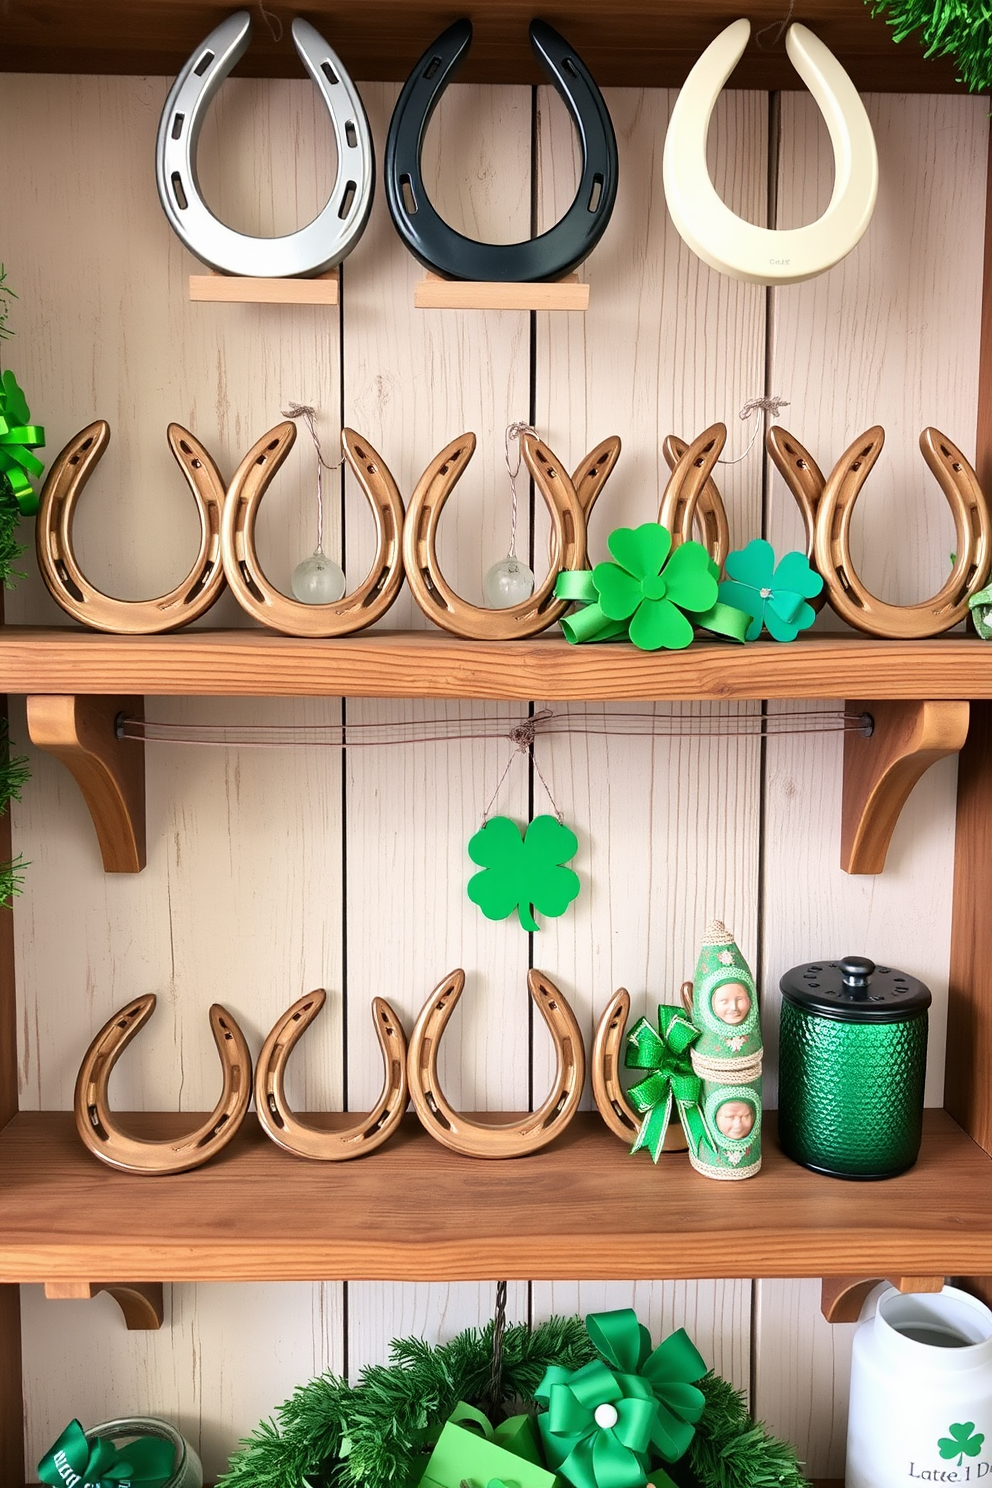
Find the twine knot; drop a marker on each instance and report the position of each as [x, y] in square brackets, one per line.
[524, 733]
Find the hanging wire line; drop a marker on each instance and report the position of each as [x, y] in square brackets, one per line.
[514, 431]
[523, 736]
[779, 27]
[309, 415]
[268, 16]
[754, 408]
[520, 732]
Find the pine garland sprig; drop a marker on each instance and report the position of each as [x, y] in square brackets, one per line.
[730, 1451]
[961, 29]
[10, 548]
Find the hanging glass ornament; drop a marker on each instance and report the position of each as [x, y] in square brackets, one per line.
[317, 580]
[510, 581]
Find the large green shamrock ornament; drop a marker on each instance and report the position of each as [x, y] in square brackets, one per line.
[961, 1443]
[523, 872]
[775, 597]
[651, 592]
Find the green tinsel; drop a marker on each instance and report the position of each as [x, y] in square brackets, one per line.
[385, 1421]
[961, 29]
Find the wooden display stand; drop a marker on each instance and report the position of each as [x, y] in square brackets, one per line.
[435, 293]
[231, 289]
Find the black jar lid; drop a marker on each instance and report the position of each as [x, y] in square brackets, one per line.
[855, 990]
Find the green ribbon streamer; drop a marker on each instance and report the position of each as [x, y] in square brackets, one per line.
[590, 624]
[18, 438]
[670, 1371]
[671, 1081]
[76, 1461]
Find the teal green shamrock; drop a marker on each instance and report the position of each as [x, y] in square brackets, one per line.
[650, 592]
[774, 597]
[961, 1443]
[523, 872]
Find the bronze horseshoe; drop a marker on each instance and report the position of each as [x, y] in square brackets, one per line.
[105, 1139]
[475, 1139]
[692, 495]
[569, 503]
[848, 596]
[805, 480]
[370, 601]
[611, 1101]
[67, 584]
[294, 1134]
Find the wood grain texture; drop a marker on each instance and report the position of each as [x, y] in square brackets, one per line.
[505, 1215]
[434, 293]
[234, 289]
[11, 1391]
[634, 44]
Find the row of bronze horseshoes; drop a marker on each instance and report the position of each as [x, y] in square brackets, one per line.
[410, 1073]
[406, 539]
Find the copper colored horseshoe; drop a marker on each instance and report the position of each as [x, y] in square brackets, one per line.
[691, 494]
[67, 584]
[611, 1101]
[475, 1139]
[848, 596]
[100, 1132]
[804, 479]
[294, 1134]
[569, 503]
[370, 601]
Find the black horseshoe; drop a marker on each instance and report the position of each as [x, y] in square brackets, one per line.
[447, 252]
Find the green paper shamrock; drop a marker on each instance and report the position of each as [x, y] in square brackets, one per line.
[523, 871]
[775, 597]
[652, 593]
[961, 1443]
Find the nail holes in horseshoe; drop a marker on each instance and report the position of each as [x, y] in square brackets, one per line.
[596, 194]
[347, 199]
[329, 72]
[431, 69]
[178, 192]
[177, 125]
[203, 64]
[567, 65]
[409, 200]
[351, 134]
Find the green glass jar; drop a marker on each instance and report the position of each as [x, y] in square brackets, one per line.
[852, 1063]
[186, 1471]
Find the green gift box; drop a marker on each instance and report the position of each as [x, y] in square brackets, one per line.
[470, 1451]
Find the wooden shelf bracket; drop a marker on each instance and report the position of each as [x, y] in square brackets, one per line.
[842, 1297]
[881, 769]
[110, 772]
[141, 1302]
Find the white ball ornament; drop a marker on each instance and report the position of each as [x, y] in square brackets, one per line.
[509, 582]
[606, 1415]
[318, 580]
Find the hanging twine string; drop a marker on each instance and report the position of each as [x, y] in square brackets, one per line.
[309, 416]
[754, 408]
[494, 1394]
[779, 28]
[275, 32]
[513, 432]
[522, 735]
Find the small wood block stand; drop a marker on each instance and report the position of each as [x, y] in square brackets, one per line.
[435, 293]
[322, 289]
[842, 1297]
[880, 771]
[110, 772]
[141, 1302]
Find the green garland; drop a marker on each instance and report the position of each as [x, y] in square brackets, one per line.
[961, 29]
[14, 774]
[383, 1423]
[10, 513]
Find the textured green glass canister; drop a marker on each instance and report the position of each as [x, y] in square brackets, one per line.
[852, 1063]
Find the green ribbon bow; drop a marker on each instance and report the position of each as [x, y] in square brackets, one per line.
[671, 1081]
[670, 1371]
[76, 1461]
[17, 439]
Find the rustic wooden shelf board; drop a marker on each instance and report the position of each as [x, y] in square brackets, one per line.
[232, 289]
[415, 1211]
[434, 293]
[253, 663]
[634, 44]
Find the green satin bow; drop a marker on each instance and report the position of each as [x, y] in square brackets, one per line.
[17, 439]
[669, 1371]
[665, 1053]
[598, 1426]
[76, 1461]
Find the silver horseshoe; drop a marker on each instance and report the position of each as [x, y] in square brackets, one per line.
[333, 233]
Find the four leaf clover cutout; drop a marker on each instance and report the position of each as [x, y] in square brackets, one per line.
[523, 872]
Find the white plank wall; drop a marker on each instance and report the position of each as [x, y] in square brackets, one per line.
[354, 867]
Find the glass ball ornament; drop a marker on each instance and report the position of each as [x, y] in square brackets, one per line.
[318, 580]
[507, 583]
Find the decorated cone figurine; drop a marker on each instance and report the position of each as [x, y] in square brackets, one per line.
[725, 1010]
[732, 1113]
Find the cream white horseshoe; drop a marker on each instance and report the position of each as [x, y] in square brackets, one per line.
[569, 503]
[356, 1137]
[805, 480]
[69, 586]
[608, 1093]
[476, 1139]
[973, 559]
[691, 494]
[761, 255]
[253, 591]
[100, 1132]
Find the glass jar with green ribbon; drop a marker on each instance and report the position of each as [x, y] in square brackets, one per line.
[670, 1082]
[153, 1455]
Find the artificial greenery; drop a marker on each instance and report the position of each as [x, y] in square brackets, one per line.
[377, 1434]
[10, 513]
[961, 29]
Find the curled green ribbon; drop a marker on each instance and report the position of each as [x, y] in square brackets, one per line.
[18, 438]
[590, 624]
[76, 1461]
[671, 1081]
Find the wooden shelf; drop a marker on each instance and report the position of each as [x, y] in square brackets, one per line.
[434, 293]
[415, 1211]
[420, 664]
[636, 43]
